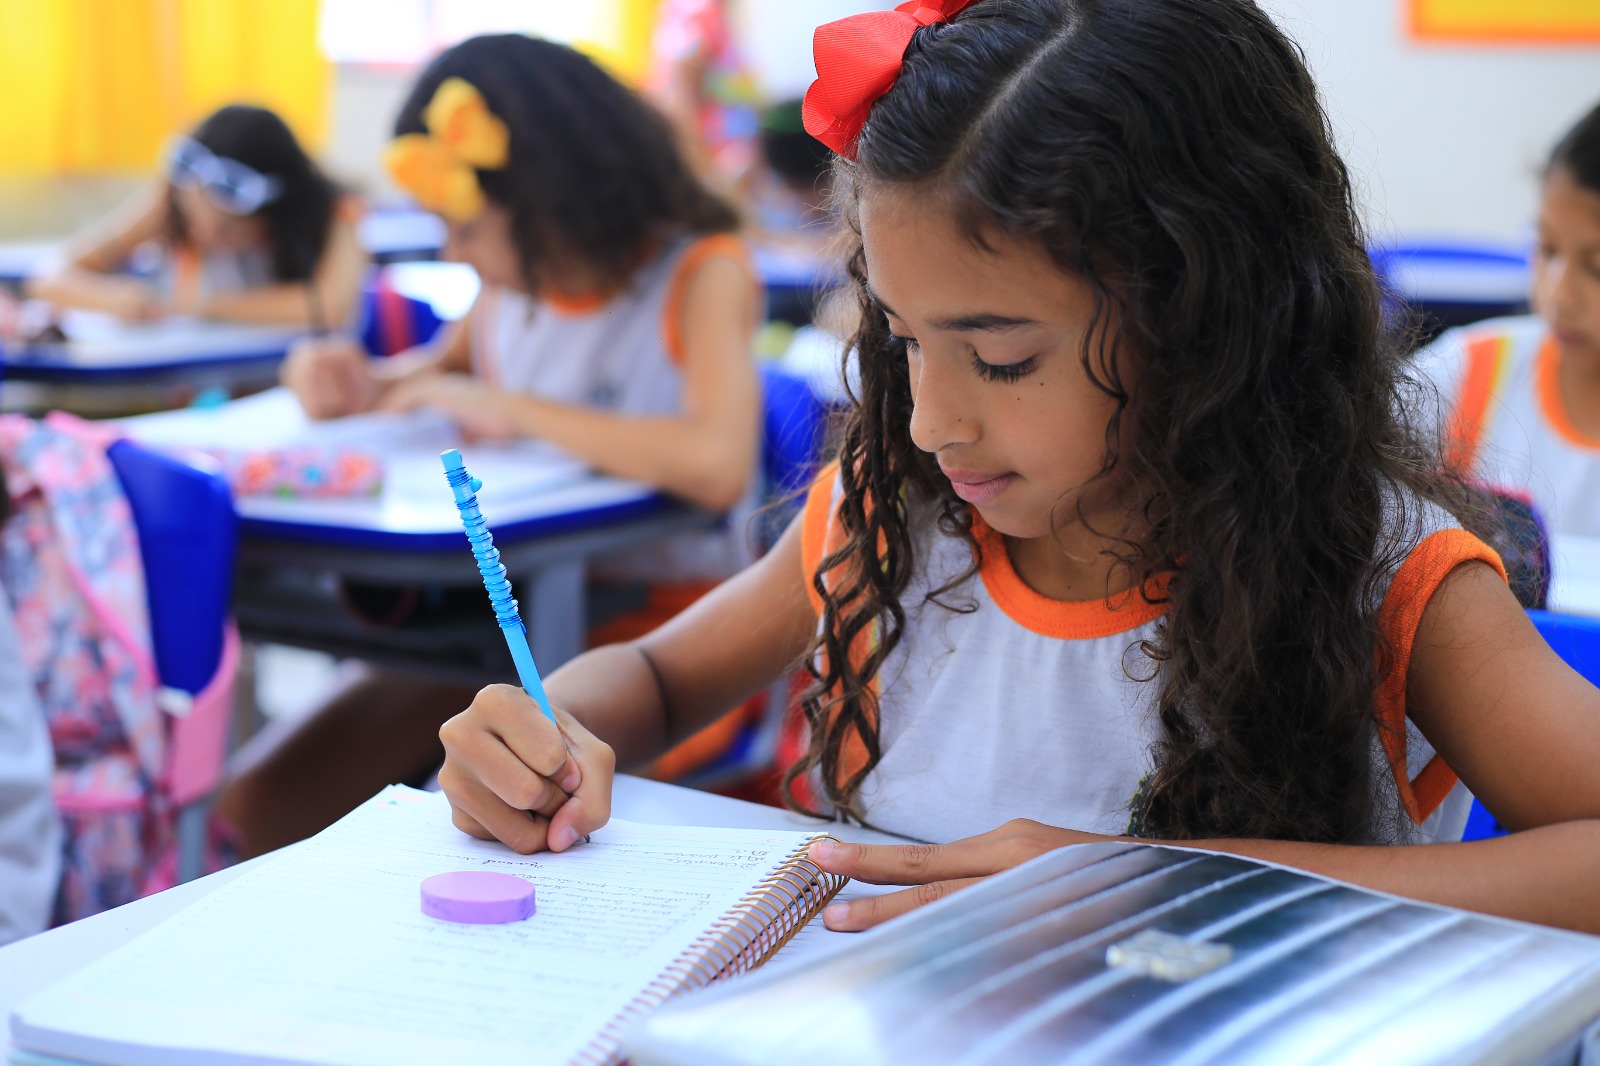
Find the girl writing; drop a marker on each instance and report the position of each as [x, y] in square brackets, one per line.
[1524, 393]
[1129, 534]
[616, 321]
[245, 227]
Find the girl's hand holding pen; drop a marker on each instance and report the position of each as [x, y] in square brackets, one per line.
[514, 776]
[331, 376]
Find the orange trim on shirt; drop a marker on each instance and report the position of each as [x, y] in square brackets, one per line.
[821, 536]
[1547, 383]
[707, 247]
[573, 306]
[815, 525]
[1487, 359]
[1061, 619]
[1414, 584]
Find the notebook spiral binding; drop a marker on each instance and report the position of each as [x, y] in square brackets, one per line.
[744, 938]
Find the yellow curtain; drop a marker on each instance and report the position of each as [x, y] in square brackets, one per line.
[622, 39]
[98, 86]
[1507, 21]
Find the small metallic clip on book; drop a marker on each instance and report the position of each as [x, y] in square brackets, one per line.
[465, 487]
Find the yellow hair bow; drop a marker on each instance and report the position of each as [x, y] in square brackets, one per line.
[437, 167]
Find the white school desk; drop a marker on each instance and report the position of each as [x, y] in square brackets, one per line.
[793, 280]
[290, 548]
[545, 543]
[399, 234]
[1575, 575]
[102, 351]
[29, 965]
[20, 260]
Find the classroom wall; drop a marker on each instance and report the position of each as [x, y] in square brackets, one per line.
[1444, 139]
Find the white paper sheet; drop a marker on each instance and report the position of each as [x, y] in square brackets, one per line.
[323, 955]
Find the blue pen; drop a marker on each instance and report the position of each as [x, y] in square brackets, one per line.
[466, 487]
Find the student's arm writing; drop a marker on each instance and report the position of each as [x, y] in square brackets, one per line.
[85, 277]
[333, 376]
[1516, 723]
[621, 704]
[704, 453]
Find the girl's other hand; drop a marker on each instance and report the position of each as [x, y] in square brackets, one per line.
[934, 870]
[331, 376]
[512, 776]
[480, 412]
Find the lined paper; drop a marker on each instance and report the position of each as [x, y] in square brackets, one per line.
[323, 954]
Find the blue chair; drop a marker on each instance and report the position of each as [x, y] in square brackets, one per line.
[392, 321]
[188, 536]
[793, 424]
[1577, 641]
[1449, 284]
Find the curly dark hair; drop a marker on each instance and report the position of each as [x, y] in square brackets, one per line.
[595, 175]
[298, 221]
[1173, 154]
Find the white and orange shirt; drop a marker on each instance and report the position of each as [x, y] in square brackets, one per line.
[624, 355]
[1506, 422]
[999, 703]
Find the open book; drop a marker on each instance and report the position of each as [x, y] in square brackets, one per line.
[323, 955]
[1119, 954]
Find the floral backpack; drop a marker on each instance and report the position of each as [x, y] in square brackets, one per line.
[71, 567]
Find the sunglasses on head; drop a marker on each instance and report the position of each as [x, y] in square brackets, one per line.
[229, 184]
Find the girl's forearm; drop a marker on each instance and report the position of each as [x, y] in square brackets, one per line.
[85, 290]
[1546, 875]
[678, 455]
[614, 692]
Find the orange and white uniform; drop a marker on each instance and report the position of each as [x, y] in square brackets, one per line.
[623, 355]
[1506, 422]
[1013, 705]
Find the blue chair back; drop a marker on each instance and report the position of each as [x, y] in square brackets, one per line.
[392, 321]
[1574, 638]
[793, 420]
[1452, 284]
[1577, 641]
[188, 535]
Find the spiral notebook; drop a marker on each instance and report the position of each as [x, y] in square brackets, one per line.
[322, 954]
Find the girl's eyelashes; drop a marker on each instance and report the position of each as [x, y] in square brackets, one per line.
[1005, 373]
[1001, 372]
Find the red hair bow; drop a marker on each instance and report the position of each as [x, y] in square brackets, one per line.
[858, 59]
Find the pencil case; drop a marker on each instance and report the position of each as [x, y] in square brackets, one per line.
[301, 472]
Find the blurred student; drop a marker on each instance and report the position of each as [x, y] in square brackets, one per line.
[1523, 393]
[243, 227]
[616, 321]
[700, 79]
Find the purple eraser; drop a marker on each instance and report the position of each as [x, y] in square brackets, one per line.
[481, 897]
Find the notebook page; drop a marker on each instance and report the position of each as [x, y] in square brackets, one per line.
[323, 954]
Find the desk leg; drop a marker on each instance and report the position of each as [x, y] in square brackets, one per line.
[555, 612]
